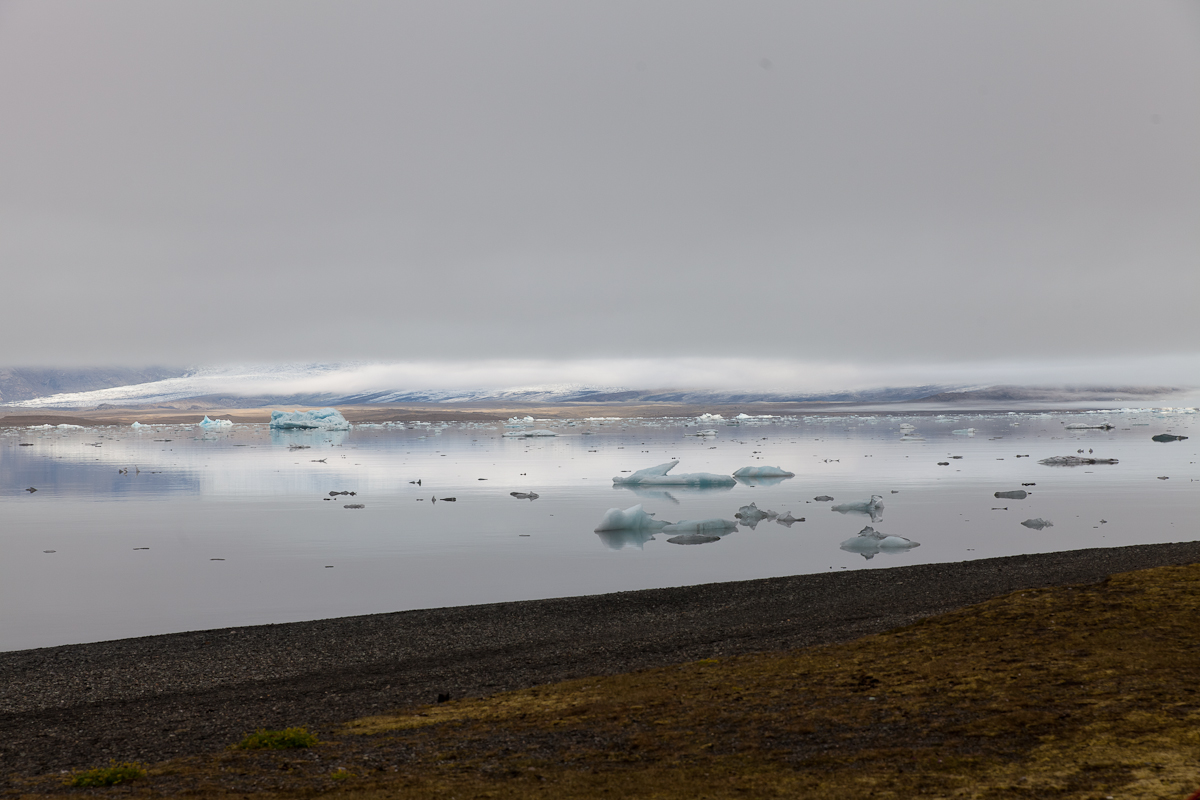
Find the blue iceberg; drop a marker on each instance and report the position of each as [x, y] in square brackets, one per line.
[763, 472]
[325, 419]
[210, 424]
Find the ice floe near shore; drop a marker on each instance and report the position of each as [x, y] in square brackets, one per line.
[326, 419]
[529, 434]
[869, 542]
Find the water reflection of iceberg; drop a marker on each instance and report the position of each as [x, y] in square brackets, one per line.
[744, 481]
[309, 437]
[619, 540]
[661, 493]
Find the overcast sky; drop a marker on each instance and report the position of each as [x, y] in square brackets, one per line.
[839, 183]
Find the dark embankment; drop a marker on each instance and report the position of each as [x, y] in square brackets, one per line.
[166, 696]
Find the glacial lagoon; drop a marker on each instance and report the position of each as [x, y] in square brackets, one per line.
[173, 527]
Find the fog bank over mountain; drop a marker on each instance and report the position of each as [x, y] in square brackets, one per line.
[601, 381]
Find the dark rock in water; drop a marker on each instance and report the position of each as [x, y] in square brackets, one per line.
[1019, 494]
[31, 490]
[823, 498]
[1167, 437]
[449, 499]
[354, 505]
[943, 463]
[1075, 461]
[693, 538]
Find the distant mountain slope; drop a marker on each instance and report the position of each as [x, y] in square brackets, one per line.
[348, 384]
[18, 384]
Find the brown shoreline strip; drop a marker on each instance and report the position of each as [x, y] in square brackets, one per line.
[158, 697]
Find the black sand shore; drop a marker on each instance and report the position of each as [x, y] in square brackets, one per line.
[158, 697]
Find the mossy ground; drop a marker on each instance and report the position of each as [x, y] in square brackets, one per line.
[1077, 692]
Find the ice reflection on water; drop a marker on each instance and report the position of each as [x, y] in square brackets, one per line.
[260, 501]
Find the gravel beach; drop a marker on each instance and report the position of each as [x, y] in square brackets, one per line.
[158, 697]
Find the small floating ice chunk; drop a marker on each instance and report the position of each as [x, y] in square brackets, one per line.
[525, 495]
[709, 418]
[763, 472]
[66, 427]
[1038, 523]
[964, 432]
[1018, 494]
[904, 426]
[529, 434]
[706, 432]
[788, 520]
[1075, 461]
[1162, 437]
[210, 424]
[326, 419]
[137, 425]
[869, 542]
[714, 525]
[629, 519]
[657, 476]
[751, 515]
[1083, 426]
[823, 498]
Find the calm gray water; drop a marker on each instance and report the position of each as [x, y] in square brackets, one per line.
[232, 528]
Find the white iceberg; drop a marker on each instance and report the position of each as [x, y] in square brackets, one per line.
[657, 476]
[529, 434]
[137, 425]
[873, 507]
[209, 424]
[870, 541]
[713, 525]
[904, 426]
[629, 519]
[763, 472]
[66, 427]
[326, 419]
[709, 418]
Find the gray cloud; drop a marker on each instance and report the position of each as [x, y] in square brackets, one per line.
[847, 183]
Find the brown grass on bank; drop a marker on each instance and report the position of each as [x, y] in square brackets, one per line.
[1076, 692]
